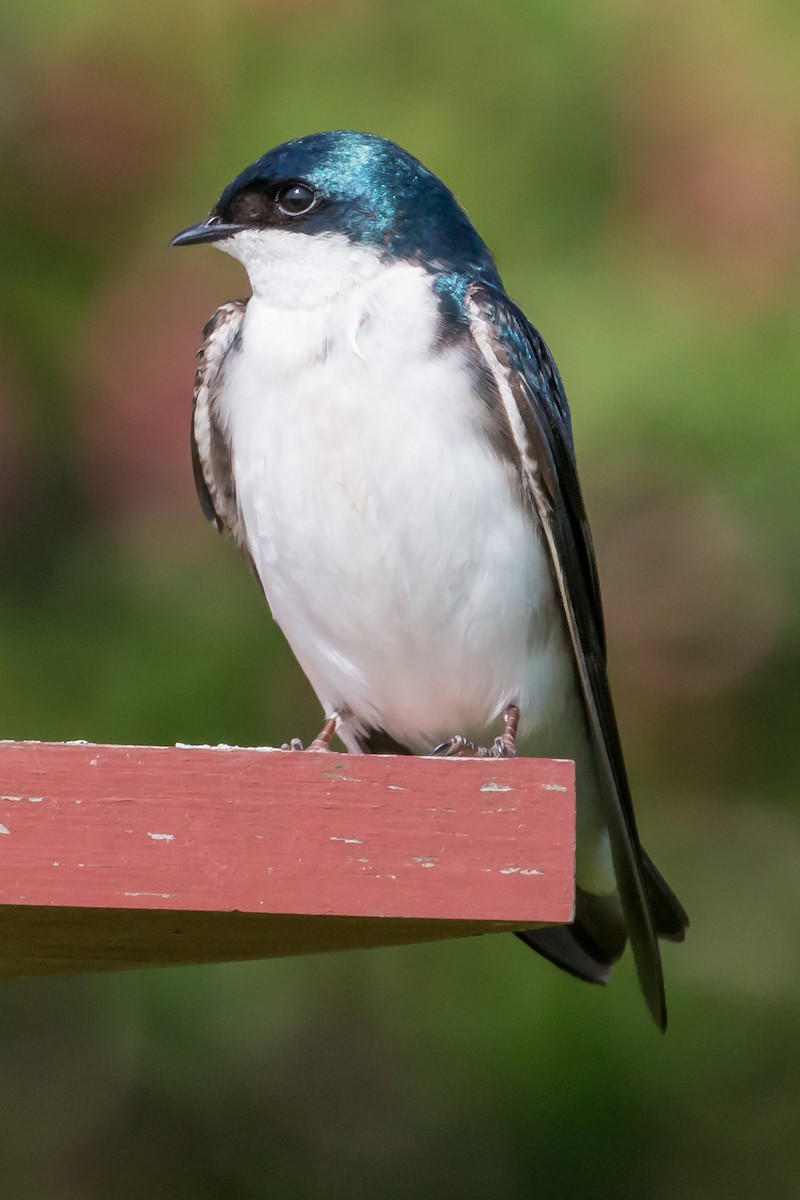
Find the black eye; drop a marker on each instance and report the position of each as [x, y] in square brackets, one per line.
[294, 199]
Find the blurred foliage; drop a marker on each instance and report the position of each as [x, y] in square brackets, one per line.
[635, 168]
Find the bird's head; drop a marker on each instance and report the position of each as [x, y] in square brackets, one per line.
[318, 213]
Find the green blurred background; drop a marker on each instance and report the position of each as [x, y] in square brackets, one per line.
[635, 168]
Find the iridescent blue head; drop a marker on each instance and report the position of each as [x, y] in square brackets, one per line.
[355, 185]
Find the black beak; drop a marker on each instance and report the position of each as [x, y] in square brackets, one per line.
[213, 229]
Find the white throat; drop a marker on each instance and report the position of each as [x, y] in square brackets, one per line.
[300, 270]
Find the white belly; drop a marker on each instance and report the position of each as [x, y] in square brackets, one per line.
[410, 584]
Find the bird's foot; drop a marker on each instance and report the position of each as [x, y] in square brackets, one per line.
[459, 747]
[322, 742]
[504, 746]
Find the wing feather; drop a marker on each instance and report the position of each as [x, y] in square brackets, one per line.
[211, 450]
[536, 408]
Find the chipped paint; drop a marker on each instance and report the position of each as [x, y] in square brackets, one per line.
[348, 841]
[15, 799]
[4, 829]
[424, 860]
[225, 747]
[162, 837]
[496, 787]
[159, 895]
[554, 787]
[519, 871]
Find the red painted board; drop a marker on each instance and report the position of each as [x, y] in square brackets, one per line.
[217, 830]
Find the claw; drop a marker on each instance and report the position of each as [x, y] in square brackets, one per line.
[457, 747]
[504, 746]
[500, 750]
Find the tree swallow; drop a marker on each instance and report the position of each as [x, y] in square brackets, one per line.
[387, 439]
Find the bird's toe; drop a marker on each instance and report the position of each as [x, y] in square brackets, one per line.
[456, 747]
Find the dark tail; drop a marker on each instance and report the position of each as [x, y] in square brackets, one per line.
[669, 915]
[589, 947]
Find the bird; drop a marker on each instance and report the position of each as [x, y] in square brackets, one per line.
[387, 440]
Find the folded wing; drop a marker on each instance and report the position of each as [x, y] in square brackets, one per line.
[535, 406]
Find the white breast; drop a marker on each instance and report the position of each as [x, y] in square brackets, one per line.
[394, 554]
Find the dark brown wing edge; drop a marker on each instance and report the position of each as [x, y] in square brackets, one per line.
[538, 415]
[211, 451]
